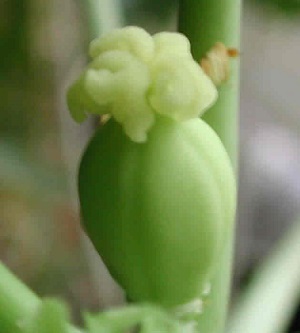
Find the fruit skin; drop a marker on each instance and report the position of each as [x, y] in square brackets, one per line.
[158, 212]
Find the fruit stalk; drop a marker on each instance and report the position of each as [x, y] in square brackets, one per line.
[17, 303]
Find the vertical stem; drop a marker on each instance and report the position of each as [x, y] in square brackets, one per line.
[270, 300]
[103, 15]
[205, 23]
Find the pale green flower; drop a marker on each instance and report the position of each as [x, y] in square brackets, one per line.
[134, 76]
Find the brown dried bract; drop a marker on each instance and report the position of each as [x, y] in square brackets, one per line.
[216, 63]
[233, 53]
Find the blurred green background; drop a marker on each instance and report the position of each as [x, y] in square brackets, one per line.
[43, 46]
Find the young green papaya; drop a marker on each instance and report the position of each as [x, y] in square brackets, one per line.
[156, 186]
[158, 212]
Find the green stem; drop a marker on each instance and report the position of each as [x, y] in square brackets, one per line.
[103, 15]
[205, 23]
[17, 303]
[273, 294]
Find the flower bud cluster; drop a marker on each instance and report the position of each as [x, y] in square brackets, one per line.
[134, 77]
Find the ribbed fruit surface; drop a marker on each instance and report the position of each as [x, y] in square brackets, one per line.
[158, 212]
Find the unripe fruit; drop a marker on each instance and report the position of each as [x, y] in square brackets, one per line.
[156, 186]
[158, 212]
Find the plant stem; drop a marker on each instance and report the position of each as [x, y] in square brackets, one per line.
[273, 294]
[17, 303]
[103, 15]
[205, 23]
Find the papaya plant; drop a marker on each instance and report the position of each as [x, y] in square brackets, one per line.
[205, 24]
[157, 186]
